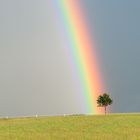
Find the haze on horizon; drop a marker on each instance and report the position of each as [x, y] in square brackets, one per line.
[35, 77]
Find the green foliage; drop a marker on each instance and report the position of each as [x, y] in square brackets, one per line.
[104, 100]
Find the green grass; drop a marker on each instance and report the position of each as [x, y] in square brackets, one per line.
[109, 127]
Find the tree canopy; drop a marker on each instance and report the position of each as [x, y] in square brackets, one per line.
[104, 100]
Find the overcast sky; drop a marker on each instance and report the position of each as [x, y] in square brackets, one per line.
[35, 77]
[116, 26]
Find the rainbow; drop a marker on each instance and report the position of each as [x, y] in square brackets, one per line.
[81, 51]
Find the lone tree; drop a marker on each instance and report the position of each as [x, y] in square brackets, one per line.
[104, 100]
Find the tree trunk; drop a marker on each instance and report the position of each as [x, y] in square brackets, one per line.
[105, 110]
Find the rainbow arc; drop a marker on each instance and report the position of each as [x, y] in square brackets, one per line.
[82, 52]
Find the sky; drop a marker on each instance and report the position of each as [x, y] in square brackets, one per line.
[116, 28]
[35, 77]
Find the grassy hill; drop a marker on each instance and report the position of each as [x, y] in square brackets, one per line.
[109, 127]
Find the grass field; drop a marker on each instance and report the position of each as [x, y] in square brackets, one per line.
[109, 127]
